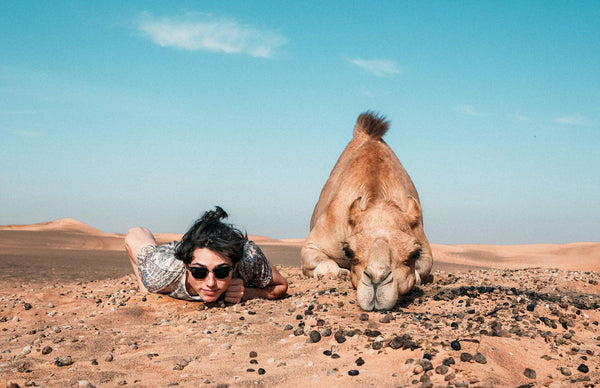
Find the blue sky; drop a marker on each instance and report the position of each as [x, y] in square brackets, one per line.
[148, 113]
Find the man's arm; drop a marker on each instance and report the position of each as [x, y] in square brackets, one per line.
[276, 288]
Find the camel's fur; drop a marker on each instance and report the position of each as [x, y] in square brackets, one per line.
[368, 222]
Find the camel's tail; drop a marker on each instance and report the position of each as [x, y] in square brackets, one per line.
[371, 124]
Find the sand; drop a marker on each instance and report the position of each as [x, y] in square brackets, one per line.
[71, 315]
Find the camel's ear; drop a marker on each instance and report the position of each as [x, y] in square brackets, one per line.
[414, 211]
[358, 206]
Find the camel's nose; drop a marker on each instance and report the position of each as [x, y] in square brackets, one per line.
[377, 275]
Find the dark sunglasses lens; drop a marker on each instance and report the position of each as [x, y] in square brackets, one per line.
[199, 272]
[222, 272]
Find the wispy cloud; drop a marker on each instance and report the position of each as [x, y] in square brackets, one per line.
[195, 32]
[469, 110]
[520, 117]
[577, 120]
[377, 67]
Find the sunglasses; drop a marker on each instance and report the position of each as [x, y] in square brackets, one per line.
[221, 272]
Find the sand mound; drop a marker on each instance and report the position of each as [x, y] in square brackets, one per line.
[62, 225]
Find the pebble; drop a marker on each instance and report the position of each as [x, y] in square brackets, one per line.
[359, 361]
[529, 373]
[441, 369]
[353, 372]
[339, 337]
[253, 354]
[448, 361]
[565, 371]
[46, 350]
[261, 371]
[315, 336]
[455, 345]
[65, 361]
[583, 368]
[480, 358]
[466, 357]
[364, 317]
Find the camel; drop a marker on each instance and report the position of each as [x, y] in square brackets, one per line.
[368, 222]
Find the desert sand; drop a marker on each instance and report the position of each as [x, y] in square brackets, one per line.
[71, 316]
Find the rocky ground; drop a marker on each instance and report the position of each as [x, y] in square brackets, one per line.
[483, 328]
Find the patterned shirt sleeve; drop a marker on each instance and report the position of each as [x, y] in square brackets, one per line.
[254, 268]
[158, 267]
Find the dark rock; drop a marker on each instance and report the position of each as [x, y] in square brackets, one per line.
[448, 361]
[372, 333]
[339, 337]
[480, 358]
[377, 345]
[298, 332]
[455, 345]
[529, 373]
[466, 357]
[261, 371]
[404, 341]
[27, 306]
[359, 361]
[441, 369]
[364, 317]
[583, 368]
[327, 352]
[315, 336]
[353, 372]
[46, 350]
[326, 332]
[253, 361]
[426, 364]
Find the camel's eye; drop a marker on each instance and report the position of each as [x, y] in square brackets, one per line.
[347, 251]
[415, 255]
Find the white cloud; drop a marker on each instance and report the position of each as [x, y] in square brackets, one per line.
[377, 67]
[518, 116]
[194, 32]
[469, 110]
[574, 120]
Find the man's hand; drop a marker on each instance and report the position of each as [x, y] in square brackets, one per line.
[235, 291]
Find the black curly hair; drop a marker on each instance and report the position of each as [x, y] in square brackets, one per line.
[210, 232]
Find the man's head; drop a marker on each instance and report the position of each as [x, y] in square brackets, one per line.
[211, 233]
[210, 251]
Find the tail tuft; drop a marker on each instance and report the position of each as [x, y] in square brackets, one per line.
[372, 124]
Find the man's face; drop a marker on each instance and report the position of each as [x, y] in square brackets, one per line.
[213, 285]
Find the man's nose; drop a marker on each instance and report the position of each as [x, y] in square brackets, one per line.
[211, 280]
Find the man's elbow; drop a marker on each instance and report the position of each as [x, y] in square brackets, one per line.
[280, 290]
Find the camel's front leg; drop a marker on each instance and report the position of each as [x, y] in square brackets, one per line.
[317, 263]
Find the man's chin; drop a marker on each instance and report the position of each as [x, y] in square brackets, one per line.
[210, 296]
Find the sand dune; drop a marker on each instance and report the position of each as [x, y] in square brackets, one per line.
[70, 315]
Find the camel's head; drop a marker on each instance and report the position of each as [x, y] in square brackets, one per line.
[383, 250]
